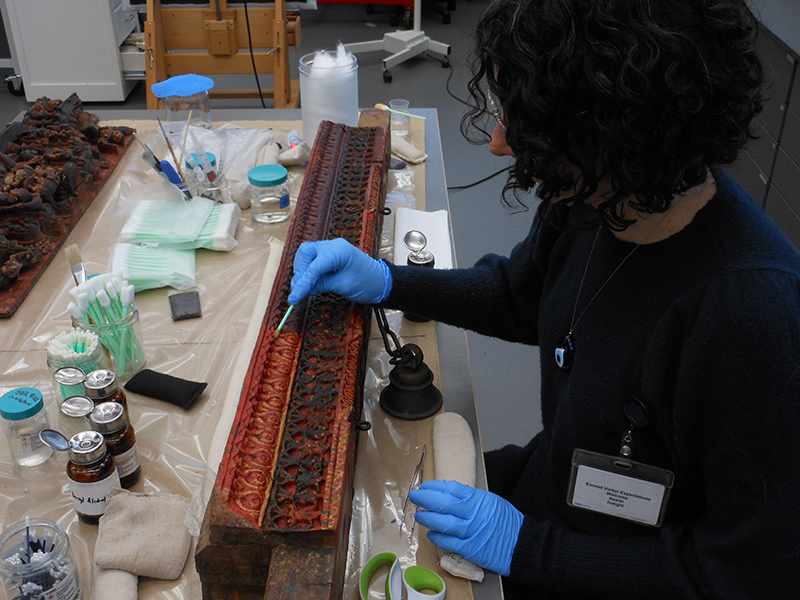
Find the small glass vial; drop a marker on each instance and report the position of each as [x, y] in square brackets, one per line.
[269, 194]
[24, 417]
[101, 386]
[35, 556]
[109, 419]
[423, 259]
[92, 473]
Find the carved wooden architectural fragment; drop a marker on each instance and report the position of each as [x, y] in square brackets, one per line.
[52, 165]
[284, 485]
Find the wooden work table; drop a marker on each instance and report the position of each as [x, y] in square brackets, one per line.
[178, 448]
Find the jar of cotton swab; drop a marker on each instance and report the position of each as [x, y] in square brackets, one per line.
[36, 562]
[72, 354]
[104, 306]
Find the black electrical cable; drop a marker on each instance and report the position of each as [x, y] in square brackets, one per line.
[469, 185]
[252, 57]
[465, 103]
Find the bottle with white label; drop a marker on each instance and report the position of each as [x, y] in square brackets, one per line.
[109, 419]
[92, 473]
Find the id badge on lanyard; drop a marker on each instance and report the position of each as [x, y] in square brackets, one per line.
[618, 486]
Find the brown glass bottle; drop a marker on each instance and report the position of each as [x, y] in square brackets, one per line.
[101, 386]
[92, 473]
[109, 419]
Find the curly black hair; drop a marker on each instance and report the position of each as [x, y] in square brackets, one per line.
[643, 94]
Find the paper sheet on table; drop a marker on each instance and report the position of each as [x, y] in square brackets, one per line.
[435, 227]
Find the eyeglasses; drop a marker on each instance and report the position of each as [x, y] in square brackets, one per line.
[494, 105]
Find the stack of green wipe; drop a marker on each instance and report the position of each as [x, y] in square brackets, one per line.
[146, 267]
[198, 223]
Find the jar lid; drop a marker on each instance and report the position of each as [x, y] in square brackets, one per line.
[100, 384]
[267, 175]
[108, 417]
[182, 86]
[21, 403]
[77, 406]
[69, 376]
[86, 447]
[212, 158]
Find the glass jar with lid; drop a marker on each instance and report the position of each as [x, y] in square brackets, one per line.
[53, 572]
[269, 194]
[24, 417]
[109, 419]
[92, 473]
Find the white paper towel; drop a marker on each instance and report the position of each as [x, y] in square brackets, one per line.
[435, 227]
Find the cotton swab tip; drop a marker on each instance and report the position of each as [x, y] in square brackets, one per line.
[380, 106]
[277, 331]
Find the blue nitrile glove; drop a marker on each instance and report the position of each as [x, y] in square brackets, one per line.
[338, 266]
[480, 526]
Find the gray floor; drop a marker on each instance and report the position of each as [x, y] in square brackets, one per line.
[505, 376]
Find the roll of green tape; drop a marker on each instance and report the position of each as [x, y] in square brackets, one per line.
[414, 579]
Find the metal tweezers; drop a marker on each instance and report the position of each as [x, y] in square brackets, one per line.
[416, 480]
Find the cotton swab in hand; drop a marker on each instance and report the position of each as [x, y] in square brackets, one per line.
[277, 331]
[380, 106]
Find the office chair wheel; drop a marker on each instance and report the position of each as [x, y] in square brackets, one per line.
[387, 76]
[15, 86]
[445, 62]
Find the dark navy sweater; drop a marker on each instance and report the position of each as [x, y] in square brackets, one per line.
[706, 326]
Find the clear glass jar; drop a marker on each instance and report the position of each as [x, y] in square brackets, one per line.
[122, 342]
[24, 417]
[109, 419]
[218, 190]
[53, 576]
[178, 108]
[269, 194]
[87, 358]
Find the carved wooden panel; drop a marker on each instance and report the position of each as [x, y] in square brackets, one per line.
[286, 476]
[52, 164]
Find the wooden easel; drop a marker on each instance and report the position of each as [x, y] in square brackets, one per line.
[173, 37]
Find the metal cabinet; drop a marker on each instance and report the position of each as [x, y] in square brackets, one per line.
[72, 46]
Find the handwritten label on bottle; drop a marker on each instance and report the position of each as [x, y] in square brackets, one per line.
[90, 498]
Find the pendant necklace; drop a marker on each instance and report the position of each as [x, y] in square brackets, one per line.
[565, 351]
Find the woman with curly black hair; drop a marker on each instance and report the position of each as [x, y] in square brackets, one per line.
[665, 303]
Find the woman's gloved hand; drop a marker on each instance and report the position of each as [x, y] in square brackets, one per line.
[480, 526]
[338, 266]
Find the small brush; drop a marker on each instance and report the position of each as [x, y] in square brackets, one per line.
[397, 112]
[76, 264]
[277, 331]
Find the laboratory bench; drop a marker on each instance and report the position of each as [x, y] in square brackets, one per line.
[180, 449]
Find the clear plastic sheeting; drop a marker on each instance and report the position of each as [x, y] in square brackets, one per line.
[179, 448]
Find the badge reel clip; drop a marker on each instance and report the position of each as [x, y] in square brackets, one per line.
[618, 486]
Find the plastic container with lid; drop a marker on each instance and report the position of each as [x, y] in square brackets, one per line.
[269, 194]
[52, 575]
[92, 473]
[102, 386]
[24, 417]
[184, 93]
[109, 419]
